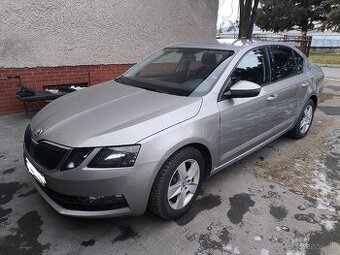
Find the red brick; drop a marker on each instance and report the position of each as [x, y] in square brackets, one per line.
[36, 78]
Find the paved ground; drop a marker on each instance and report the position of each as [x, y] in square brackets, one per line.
[283, 199]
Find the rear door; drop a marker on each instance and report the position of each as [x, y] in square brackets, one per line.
[246, 122]
[305, 80]
[289, 78]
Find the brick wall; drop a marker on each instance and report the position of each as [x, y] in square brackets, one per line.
[36, 78]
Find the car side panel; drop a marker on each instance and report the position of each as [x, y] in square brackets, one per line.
[245, 122]
[288, 100]
[202, 129]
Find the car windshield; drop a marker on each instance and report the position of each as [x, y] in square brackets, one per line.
[179, 71]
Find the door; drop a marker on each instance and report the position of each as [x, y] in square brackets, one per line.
[246, 122]
[304, 82]
[288, 76]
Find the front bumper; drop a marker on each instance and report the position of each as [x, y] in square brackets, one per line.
[132, 184]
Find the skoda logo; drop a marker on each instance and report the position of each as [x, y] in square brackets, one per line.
[37, 132]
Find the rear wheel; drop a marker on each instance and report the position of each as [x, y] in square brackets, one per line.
[177, 184]
[304, 123]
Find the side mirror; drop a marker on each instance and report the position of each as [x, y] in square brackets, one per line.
[243, 89]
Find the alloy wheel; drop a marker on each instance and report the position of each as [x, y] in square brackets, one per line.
[183, 184]
[306, 119]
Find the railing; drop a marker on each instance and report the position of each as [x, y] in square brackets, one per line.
[302, 42]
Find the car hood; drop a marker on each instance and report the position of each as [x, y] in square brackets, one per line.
[111, 114]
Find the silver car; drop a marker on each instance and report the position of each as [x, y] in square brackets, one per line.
[151, 137]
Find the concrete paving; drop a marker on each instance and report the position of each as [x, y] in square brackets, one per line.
[332, 73]
[283, 199]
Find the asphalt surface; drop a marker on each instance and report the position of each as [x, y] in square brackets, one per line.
[283, 199]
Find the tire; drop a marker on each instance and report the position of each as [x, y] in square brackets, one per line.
[307, 115]
[179, 173]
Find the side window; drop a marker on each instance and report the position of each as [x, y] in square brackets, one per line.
[284, 63]
[299, 62]
[253, 67]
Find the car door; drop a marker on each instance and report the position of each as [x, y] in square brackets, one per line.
[305, 80]
[287, 77]
[246, 122]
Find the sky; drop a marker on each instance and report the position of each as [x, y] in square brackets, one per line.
[228, 10]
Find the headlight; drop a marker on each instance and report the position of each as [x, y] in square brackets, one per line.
[115, 157]
[75, 158]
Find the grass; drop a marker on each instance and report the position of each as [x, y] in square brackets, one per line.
[325, 58]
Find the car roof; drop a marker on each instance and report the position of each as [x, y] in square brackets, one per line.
[227, 44]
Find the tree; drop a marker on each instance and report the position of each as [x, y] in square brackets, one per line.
[247, 17]
[332, 19]
[281, 15]
[275, 15]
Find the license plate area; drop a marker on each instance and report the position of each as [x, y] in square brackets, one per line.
[36, 174]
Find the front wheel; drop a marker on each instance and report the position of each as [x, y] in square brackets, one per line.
[304, 122]
[177, 184]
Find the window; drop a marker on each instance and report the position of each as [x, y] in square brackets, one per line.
[166, 65]
[171, 57]
[197, 63]
[177, 71]
[253, 67]
[299, 62]
[284, 63]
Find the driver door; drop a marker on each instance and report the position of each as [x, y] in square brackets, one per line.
[247, 122]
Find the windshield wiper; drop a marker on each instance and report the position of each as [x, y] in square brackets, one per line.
[139, 84]
[154, 89]
[120, 80]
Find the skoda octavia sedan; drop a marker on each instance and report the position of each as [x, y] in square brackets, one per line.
[151, 137]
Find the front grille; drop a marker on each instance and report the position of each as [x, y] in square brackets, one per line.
[28, 137]
[47, 155]
[86, 203]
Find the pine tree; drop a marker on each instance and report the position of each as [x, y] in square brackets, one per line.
[303, 15]
[332, 9]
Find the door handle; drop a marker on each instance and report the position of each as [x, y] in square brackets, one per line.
[272, 97]
[305, 84]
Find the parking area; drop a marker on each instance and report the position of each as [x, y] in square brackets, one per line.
[283, 199]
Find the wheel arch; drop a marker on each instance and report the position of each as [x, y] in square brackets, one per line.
[154, 202]
[203, 148]
[206, 156]
[314, 98]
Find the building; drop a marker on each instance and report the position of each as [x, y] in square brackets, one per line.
[50, 42]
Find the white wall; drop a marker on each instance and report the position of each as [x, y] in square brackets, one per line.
[81, 32]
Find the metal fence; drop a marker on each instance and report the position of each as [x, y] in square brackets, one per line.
[302, 42]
